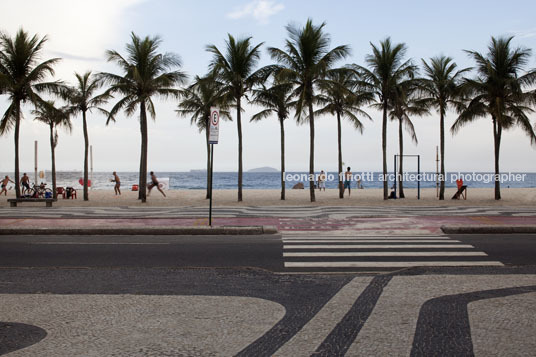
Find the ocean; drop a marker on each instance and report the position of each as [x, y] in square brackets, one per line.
[271, 180]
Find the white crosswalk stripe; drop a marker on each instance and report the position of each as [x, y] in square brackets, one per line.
[320, 250]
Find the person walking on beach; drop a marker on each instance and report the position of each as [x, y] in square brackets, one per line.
[347, 180]
[5, 181]
[25, 182]
[322, 181]
[154, 182]
[117, 184]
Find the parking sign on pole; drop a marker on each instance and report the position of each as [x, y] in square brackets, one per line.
[214, 126]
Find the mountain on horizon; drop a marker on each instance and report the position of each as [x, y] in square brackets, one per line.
[264, 169]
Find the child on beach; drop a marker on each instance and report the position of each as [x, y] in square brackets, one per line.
[154, 182]
[4, 182]
[117, 183]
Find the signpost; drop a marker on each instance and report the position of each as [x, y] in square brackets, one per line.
[213, 136]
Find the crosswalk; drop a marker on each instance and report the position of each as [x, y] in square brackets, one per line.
[324, 251]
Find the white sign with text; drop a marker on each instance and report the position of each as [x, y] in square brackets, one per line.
[214, 125]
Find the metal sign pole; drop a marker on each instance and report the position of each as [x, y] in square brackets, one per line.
[213, 136]
[210, 189]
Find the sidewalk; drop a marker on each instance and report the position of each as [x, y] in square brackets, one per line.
[399, 225]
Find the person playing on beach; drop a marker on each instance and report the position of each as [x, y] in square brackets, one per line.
[347, 180]
[154, 182]
[4, 182]
[25, 182]
[117, 183]
[322, 181]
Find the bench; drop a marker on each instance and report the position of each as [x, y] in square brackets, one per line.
[13, 201]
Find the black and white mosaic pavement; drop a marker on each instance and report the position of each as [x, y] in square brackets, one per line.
[418, 312]
[276, 211]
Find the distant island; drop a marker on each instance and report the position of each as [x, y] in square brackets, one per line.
[198, 171]
[264, 169]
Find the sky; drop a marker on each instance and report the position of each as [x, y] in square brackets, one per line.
[81, 31]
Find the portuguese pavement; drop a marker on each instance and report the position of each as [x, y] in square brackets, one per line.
[474, 309]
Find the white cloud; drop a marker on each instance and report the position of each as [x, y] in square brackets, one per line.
[79, 31]
[530, 33]
[260, 10]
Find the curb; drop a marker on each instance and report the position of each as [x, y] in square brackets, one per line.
[220, 230]
[488, 229]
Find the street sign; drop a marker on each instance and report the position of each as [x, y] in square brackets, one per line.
[214, 125]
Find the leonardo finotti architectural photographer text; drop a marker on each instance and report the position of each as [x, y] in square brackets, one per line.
[410, 177]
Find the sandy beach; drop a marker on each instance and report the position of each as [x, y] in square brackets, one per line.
[367, 197]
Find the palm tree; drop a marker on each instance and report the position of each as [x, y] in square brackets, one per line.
[387, 69]
[404, 103]
[146, 74]
[341, 96]
[81, 99]
[497, 91]
[306, 60]
[277, 100]
[22, 77]
[440, 89]
[196, 101]
[54, 117]
[235, 68]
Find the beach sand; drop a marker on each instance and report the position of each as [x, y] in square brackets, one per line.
[514, 197]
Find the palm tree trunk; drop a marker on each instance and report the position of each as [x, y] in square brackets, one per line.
[143, 157]
[208, 157]
[282, 127]
[53, 156]
[497, 131]
[384, 150]
[401, 171]
[339, 143]
[311, 152]
[17, 131]
[239, 127]
[442, 147]
[86, 150]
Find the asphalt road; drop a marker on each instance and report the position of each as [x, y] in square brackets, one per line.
[510, 249]
[264, 251]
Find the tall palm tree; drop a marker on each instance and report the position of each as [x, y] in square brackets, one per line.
[342, 96]
[236, 68]
[196, 101]
[387, 68]
[497, 91]
[277, 100]
[54, 117]
[82, 99]
[22, 77]
[146, 74]
[440, 88]
[404, 103]
[306, 60]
